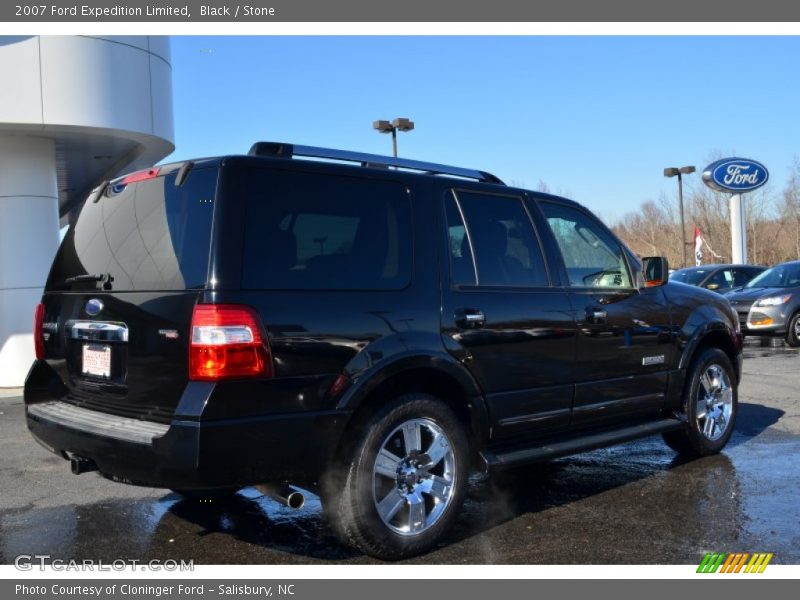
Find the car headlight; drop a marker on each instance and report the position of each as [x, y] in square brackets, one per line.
[774, 300]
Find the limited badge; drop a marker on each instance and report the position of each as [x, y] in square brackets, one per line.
[653, 360]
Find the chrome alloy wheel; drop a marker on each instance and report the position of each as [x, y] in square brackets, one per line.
[414, 476]
[797, 328]
[714, 402]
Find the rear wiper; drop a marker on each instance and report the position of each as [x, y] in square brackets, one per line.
[106, 278]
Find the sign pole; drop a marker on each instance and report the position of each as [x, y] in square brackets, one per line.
[683, 225]
[736, 176]
[738, 230]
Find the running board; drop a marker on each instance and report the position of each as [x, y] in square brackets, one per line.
[592, 441]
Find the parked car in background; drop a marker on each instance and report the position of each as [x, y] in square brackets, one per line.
[769, 304]
[718, 278]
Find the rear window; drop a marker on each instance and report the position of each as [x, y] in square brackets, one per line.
[314, 231]
[148, 235]
[691, 276]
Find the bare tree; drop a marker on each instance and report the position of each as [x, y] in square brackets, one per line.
[790, 209]
[772, 218]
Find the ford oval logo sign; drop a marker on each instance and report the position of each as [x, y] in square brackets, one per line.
[735, 175]
[93, 307]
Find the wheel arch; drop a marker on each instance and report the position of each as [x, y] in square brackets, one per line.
[437, 374]
[715, 334]
[793, 314]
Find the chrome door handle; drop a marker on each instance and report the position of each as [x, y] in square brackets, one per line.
[470, 318]
[595, 315]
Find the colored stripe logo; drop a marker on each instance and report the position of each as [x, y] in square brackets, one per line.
[738, 562]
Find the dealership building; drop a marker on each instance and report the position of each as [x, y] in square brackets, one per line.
[76, 110]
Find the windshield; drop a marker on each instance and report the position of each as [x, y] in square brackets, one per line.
[781, 276]
[150, 235]
[690, 276]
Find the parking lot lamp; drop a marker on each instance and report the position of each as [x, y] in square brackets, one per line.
[680, 172]
[399, 124]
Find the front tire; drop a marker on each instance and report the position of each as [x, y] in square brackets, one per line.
[403, 481]
[710, 406]
[793, 335]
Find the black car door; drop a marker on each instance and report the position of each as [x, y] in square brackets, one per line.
[623, 349]
[504, 314]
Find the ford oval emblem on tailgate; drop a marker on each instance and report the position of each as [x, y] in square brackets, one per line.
[93, 307]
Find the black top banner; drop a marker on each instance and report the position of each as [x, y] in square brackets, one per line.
[465, 11]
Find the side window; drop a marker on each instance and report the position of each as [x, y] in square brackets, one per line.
[720, 280]
[499, 232]
[462, 268]
[742, 276]
[314, 231]
[792, 278]
[591, 255]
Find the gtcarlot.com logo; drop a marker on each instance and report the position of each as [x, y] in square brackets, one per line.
[738, 562]
[29, 562]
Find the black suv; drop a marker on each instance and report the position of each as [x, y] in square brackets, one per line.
[368, 327]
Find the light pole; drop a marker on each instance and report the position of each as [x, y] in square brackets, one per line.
[399, 124]
[680, 172]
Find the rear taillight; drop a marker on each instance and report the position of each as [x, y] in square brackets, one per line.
[38, 331]
[228, 342]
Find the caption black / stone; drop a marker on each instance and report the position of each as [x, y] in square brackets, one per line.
[244, 10]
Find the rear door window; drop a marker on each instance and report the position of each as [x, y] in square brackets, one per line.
[462, 266]
[149, 235]
[318, 231]
[500, 234]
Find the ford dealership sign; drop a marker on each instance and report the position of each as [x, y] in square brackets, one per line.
[735, 175]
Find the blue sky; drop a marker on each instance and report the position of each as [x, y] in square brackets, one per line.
[596, 118]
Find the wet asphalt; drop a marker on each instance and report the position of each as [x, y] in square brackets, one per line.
[632, 504]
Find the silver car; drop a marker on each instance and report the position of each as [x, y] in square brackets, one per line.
[769, 305]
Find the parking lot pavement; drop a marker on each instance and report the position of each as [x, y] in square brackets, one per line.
[634, 503]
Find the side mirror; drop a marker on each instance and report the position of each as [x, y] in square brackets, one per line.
[655, 271]
[712, 286]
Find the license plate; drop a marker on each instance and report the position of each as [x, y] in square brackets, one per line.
[97, 360]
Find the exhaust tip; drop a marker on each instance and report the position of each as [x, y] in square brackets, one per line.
[80, 465]
[283, 494]
[295, 500]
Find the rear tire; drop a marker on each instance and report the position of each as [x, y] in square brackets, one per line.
[401, 484]
[710, 406]
[793, 335]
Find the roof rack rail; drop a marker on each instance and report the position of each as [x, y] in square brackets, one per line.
[280, 150]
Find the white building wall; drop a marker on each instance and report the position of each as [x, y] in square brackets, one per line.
[28, 240]
[106, 103]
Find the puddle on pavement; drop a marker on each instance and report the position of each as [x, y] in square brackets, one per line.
[634, 503]
[755, 347]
